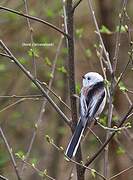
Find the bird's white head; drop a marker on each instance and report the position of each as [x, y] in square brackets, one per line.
[91, 78]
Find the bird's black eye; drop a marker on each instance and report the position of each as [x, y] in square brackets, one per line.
[88, 78]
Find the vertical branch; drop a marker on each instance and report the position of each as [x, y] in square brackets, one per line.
[71, 69]
[106, 155]
[112, 87]
[117, 45]
[9, 149]
[100, 37]
[31, 38]
[71, 65]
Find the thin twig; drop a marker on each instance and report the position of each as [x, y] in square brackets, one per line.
[118, 36]
[3, 178]
[129, 91]
[103, 68]
[120, 173]
[94, 134]
[125, 151]
[40, 173]
[22, 96]
[76, 4]
[128, 98]
[35, 19]
[5, 55]
[58, 97]
[10, 151]
[17, 102]
[113, 129]
[123, 72]
[31, 38]
[65, 15]
[100, 37]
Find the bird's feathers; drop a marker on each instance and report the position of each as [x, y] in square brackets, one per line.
[92, 102]
[75, 140]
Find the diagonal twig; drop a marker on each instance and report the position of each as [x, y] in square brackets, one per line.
[9, 149]
[35, 19]
[76, 5]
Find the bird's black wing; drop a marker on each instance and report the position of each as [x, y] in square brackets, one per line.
[90, 101]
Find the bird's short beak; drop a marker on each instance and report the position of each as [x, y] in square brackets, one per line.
[83, 77]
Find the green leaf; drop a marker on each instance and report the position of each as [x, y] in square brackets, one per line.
[49, 12]
[65, 51]
[47, 61]
[105, 30]
[103, 120]
[3, 158]
[33, 161]
[88, 53]
[114, 118]
[16, 114]
[62, 69]
[2, 67]
[120, 151]
[32, 12]
[22, 60]
[49, 75]
[107, 83]
[120, 29]
[34, 51]
[122, 87]
[79, 32]
[20, 154]
[61, 130]
[93, 173]
[78, 88]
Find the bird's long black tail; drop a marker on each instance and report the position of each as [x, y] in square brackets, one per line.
[75, 140]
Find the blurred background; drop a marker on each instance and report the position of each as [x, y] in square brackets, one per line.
[18, 121]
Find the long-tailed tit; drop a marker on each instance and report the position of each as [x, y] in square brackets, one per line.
[92, 102]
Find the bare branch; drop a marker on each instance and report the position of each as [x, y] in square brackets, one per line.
[31, 38]
[22, 96]
[120, 173]
[17, 102]
[100, 37]
[51, 91]
[71, 78]
[40, 173]
[35, 19]
[76, 4]
[118, 36]
[9, 149]
[3, 178]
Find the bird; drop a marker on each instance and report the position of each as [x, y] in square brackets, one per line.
[92, 101]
